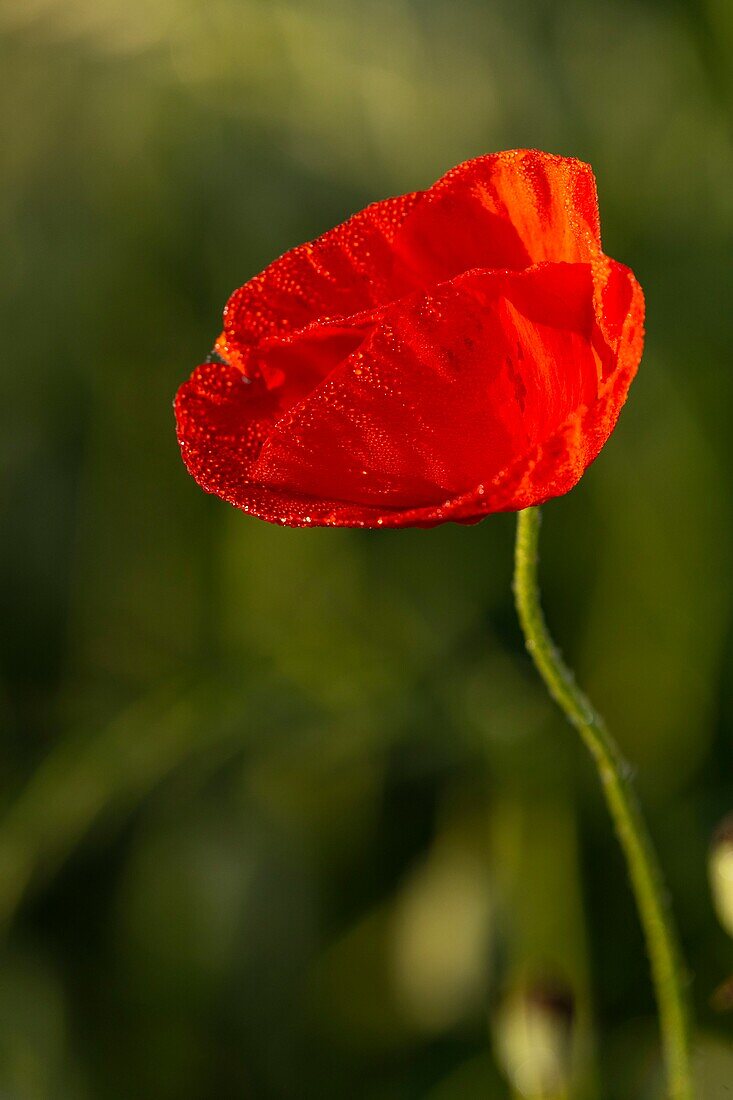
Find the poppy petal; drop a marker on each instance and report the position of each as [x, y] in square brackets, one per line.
[348, 270]
[503, 210]
[446, 390]
[555, 466]
[222, 421]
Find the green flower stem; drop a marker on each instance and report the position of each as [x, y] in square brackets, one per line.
[615, 775]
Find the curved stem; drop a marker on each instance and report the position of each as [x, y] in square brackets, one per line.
[643, 867]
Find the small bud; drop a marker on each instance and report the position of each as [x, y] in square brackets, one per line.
[533, 1036]
[720, 868]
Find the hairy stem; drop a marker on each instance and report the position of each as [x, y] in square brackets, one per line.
[615, 776]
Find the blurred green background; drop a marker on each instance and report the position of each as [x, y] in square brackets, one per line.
[286, 814]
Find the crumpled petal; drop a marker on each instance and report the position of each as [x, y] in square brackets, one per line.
[448, 388]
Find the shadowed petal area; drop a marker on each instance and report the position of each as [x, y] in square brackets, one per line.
[222, 422]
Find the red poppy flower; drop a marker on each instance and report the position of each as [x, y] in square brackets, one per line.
[441, 355]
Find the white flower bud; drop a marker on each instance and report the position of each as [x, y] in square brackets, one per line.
[533, 1033]
[720, 867]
